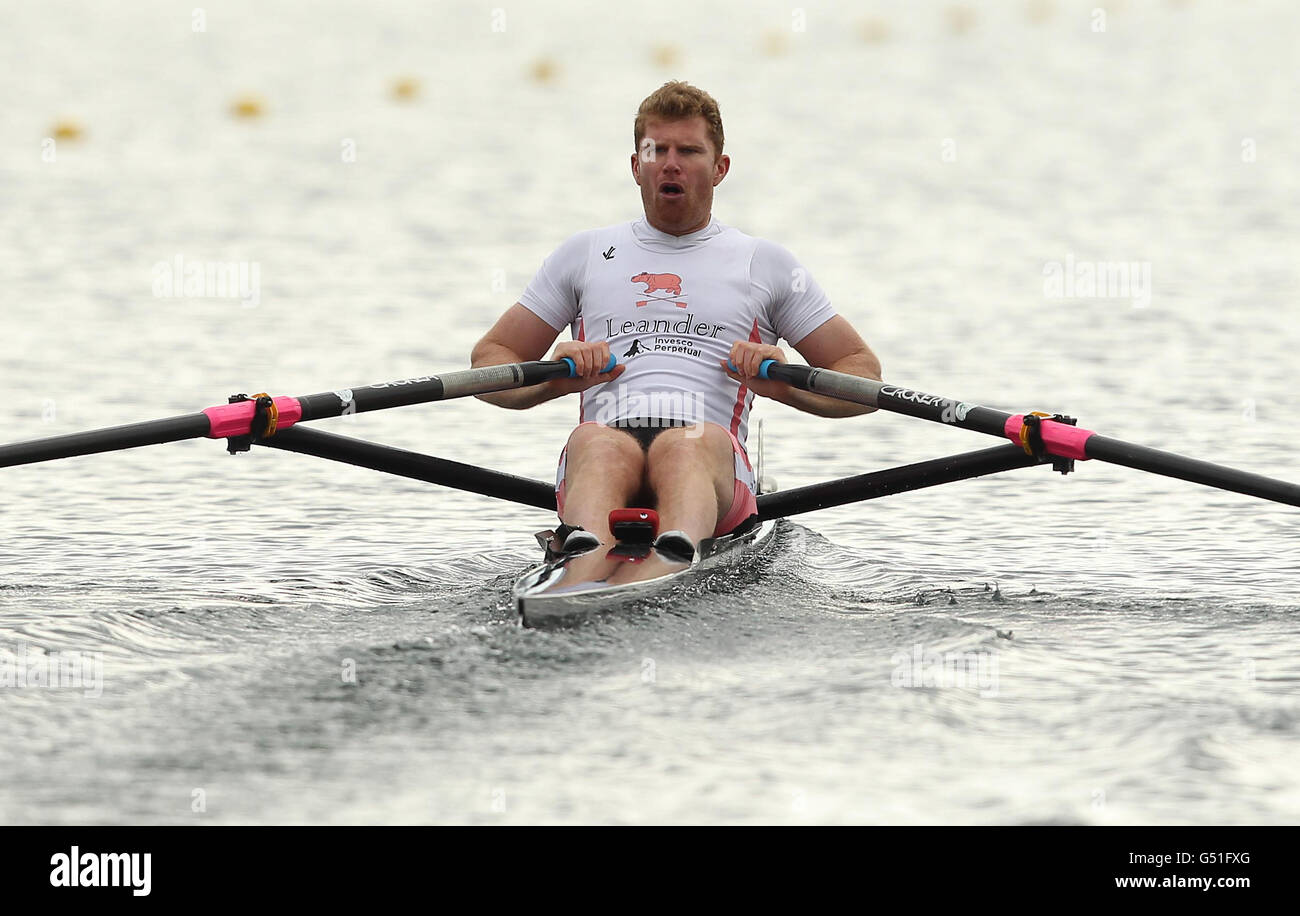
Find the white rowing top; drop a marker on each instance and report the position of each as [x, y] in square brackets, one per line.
[671, 307]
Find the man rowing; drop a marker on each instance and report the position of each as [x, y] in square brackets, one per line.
[679, 296]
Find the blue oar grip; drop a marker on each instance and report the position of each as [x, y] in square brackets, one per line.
[762, 367]
[573, 367]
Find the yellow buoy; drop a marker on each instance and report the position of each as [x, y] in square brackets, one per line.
[775, 43]
[544, 70]
[406, 88]
[247, 106]
[665, 56]
[1039, 11]
[66, 129]
[961, 19]
[874, 31]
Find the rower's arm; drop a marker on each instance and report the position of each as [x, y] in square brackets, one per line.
[518, 336]
[835, 345]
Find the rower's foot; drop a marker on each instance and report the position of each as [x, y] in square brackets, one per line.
[676, 545]
[580, 541]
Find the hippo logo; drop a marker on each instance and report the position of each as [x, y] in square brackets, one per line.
[668, 283]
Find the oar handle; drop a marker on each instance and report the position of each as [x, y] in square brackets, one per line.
[764, 366]
[573, 367]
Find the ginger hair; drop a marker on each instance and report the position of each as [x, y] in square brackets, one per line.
[676, 100]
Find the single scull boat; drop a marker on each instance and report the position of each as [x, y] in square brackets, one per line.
[566, 589]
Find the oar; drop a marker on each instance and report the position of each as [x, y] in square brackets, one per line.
[236, 419]
[1034, 432]
[307, 441]
[784, 503]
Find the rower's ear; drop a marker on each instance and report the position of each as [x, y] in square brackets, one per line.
[721, 168]
[636, 168]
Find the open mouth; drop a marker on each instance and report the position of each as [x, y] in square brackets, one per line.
[671, 189]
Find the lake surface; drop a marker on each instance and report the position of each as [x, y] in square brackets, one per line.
[272, 638]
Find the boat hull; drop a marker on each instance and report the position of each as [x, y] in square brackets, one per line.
[569, 590]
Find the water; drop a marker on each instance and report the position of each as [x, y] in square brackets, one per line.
[284, 640]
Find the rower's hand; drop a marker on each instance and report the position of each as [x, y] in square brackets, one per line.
[748, 356]
[589, 357]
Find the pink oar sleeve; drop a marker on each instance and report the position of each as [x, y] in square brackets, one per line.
[1060, 438]
[229, 420]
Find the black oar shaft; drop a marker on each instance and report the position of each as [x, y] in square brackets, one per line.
[415, 466]
[917, 476]
[1168, 464]
[892, 398]
[132, 435]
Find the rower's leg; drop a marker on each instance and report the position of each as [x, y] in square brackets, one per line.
[692, 473]
[603, 470]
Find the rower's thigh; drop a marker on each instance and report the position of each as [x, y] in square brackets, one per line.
[705, 442]
[605, 452]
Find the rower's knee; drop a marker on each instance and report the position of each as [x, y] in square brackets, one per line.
[605, 451]
[706, 443]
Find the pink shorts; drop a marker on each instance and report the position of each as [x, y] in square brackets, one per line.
[743, 502]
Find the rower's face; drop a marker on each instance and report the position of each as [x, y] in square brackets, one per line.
[677, 169]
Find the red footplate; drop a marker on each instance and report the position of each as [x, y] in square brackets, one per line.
[634, 526]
